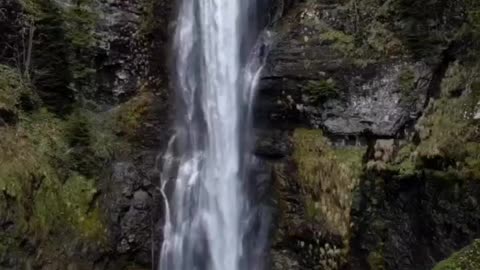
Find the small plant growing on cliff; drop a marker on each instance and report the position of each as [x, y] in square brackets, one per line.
[340, 41]
[320, 91]
[129, 115]
[407, 84]
[80, 22]
[449, 134]
[12, 87]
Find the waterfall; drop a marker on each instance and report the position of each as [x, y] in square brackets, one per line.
[212, 223]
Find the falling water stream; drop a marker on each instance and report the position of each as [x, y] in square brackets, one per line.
[212, 223]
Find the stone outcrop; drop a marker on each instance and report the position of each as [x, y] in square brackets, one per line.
[379, 84]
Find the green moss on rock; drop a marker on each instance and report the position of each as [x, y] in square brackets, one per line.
[340, 41]
[450, 134]
[26, 153]
[35, 173]
[48, 179]
[128, 117]
[466, 259]
[65, 207]
[148, 22]
[405, 160]
[351, 158]
[376, 261]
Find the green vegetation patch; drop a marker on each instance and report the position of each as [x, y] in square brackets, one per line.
[340, 41]
[93, 140]
[12, 88]
[321, 91]
[64, 47]
[381, 41]
[80, 22]
[327, 178]
[37, 174]
[148, 22]
[376, 261]
[49, 172]
[405, 160]
[465, 259]
[450, 134]
[128, 117]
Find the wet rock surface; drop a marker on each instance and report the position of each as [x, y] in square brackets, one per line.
[123, 50]
[414, 223]
[133, 210]
[358, 71]
[308, 81]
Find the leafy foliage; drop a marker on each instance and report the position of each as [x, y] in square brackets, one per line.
[12, 88]
[63, 50]
[320, 91]
[38, 173]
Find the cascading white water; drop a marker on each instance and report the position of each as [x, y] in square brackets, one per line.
[208, 210]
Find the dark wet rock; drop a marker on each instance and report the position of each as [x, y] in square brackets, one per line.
[7, 117]
[283, 260]
[12, 21]
[133, 207]
[126, 181]
[141, 200]
[126, 176]
[377, 105]
[123, 50]
[272, 145]
[415, 222]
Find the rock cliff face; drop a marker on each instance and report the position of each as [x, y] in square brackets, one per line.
[362, 101]
[367, 119]
[82, 99]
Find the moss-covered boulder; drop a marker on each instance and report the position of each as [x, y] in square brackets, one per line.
[465, 259]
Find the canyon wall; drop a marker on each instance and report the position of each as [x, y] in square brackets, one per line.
[367, 126]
